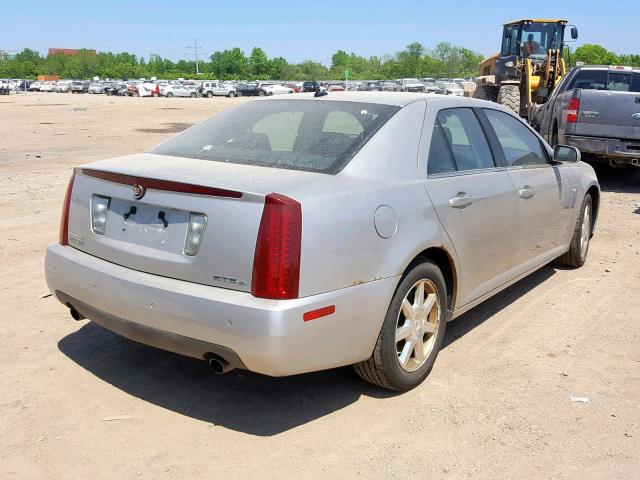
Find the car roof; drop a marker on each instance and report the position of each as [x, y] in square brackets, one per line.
[398, 99]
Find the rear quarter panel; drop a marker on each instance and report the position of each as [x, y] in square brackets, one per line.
[340, 244]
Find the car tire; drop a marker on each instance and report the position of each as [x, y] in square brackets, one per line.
[395, 363]
[209, 94]
[509, 96]
[261, 93]
[576, 256]
[192, 95]
[169, 95]
[232, 94]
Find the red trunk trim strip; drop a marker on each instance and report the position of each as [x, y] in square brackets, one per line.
[166, 185]
[319, 313]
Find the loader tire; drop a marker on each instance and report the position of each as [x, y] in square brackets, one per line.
[509, 96]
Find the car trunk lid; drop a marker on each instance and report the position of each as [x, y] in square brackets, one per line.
[147, 232]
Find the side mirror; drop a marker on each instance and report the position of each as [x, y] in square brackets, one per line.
[574, 33]
[564, 153]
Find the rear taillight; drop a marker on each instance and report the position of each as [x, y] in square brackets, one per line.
[64, 220]
[276, 264]
[572, 110]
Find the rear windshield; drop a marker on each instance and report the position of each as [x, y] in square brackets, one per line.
[310, 135]
[606, 80]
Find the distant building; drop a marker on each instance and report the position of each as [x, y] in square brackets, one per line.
[4, 55]
[68, 51]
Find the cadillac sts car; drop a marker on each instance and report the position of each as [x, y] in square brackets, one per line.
[296, 234]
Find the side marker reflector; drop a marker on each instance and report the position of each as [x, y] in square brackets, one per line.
[319, 313]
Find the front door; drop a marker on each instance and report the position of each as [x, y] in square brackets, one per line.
[544, 193]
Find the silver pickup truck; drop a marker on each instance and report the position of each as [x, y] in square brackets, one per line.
[597, 110]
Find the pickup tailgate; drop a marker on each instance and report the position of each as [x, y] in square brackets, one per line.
[609, 114]
[148, 234]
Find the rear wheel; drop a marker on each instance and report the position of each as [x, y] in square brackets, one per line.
[486, 92]
[193, 95]
[169, 95]
[261, 93]
[232, 94]
[579, 247]
[209, 94]
[509, 96]
[412, 332]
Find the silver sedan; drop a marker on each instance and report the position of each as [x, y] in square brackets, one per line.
[291, 235]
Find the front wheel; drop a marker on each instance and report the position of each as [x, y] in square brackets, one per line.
[231, 94]
[509, 96]
[411, 333]
[193, 95]
[579, 247]
[169, 95]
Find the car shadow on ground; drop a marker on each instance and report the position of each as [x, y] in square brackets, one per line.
[244, 401]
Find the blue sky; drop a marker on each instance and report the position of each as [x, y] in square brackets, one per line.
[296, 32]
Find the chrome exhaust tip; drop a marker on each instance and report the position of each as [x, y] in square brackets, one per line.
[219, 366]
[75, 314]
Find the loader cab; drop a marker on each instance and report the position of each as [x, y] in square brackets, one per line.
[533, 38]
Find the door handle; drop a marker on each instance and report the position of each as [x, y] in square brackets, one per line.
[526, 192]
[462, 200]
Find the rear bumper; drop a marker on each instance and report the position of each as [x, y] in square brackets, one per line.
[604, 147]
[265, 336]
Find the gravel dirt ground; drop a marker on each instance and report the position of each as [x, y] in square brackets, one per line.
[79, 402]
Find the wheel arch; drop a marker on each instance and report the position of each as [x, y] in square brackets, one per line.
[445, 262]
[594, 191]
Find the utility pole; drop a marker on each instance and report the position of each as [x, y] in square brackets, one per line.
[196, 52]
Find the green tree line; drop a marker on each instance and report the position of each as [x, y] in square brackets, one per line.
[443, 61]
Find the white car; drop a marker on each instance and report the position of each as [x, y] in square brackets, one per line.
[210, 88]
[148, 89]
[47, 87]
[410, 85]
[276, 89]
[454, 89]
[176, 90]
[96, 88]
[35, 87]
[63, 86]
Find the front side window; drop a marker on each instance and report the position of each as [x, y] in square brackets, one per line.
[311, 135]
[520, 146]
[466, 139]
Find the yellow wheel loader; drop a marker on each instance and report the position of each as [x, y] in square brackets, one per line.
[528, 67]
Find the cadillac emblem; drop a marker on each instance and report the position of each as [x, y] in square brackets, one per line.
[138, 191]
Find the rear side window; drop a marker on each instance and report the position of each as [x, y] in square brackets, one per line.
[311, 135]
[440, 159]
[520, 146]
[606, 80]
[466, 139]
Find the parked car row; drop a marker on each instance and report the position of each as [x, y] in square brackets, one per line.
[211, 88]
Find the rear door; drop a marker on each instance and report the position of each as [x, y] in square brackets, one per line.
[474, 200]
[544, 192]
